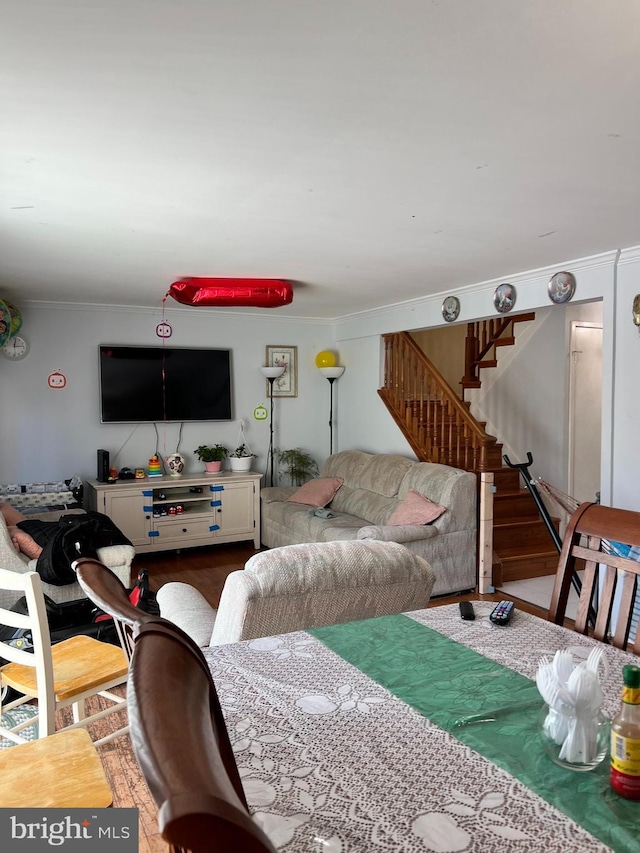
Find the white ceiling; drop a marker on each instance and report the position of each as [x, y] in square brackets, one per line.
[371, 151]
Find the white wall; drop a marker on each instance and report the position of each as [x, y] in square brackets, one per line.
[52, 434]
[625, 370]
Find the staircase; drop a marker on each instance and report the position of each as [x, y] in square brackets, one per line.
[482, 342]
[522, 545]
[440, 428]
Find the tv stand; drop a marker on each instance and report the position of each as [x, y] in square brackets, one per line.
[166, 513]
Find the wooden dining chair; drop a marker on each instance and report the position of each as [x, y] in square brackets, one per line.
[177, 729]
[58, 676]
[61, 771]
[610, 581]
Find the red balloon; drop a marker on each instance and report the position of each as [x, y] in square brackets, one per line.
[245, 292]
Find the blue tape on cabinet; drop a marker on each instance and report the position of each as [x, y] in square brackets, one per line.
[215, 503]
[154, 533]
[214, 527]
[216, 488]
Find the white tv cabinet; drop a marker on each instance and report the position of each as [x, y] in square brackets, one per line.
[215, 508]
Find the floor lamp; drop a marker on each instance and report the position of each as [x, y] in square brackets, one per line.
[271, 374]
[331, 373]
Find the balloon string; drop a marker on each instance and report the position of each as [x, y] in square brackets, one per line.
[164, 384]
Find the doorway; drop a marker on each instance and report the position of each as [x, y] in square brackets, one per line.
[585, 410]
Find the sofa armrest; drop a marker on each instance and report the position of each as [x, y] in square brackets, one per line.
[187, 608]
[397, 533]
[271, 494]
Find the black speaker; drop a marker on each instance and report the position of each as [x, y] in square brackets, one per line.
[103, 466]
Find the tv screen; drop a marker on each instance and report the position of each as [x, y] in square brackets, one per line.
[140, 384]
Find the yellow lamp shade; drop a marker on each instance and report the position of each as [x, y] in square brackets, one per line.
[325, 359]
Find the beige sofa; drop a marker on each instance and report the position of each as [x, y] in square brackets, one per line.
[118, 558]
[302, 586]
[374, 486]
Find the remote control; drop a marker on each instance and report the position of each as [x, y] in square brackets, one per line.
[502, 612]
[466, 611]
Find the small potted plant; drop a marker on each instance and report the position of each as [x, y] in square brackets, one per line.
[212, 456]
[242, 458]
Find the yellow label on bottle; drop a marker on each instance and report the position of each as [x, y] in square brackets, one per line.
[631, 695]
[625, 754]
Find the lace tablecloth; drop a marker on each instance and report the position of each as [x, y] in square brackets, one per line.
[331, 761]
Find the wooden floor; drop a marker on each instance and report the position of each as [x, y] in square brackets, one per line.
[206, 569]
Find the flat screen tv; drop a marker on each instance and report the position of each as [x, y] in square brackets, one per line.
[145, 384]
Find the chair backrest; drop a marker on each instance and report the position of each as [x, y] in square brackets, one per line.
[109, 593]
[35, 621]
[320, 583]
[610, 581]
[182, 745]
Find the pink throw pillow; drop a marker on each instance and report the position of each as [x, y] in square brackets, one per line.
[416, 509]
[319, 492]
[24, 543]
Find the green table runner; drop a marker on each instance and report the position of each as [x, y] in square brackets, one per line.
[446, 682]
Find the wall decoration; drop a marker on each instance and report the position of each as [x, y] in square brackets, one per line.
[287, 357]
[5, 323]
[16, 348]
[164, 330]
[504, 298]
[260, 413]
[56, 380]
[451, 308]
[561, 287]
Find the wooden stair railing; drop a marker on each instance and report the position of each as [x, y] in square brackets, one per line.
[483, 337]
[435, 422]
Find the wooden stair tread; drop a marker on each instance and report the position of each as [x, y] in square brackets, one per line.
[517, 552]
[521, 521]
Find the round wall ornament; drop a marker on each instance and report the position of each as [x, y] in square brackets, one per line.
[450, 308]
[504, 298]
[16, 348]
[561, 287]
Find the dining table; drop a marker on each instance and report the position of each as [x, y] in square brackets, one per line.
[416, 732]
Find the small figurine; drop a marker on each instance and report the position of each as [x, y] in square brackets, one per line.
[140, 474]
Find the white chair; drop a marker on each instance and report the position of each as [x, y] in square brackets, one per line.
[303, 586]
[58, 676]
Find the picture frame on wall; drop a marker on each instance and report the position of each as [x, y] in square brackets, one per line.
[285, 385]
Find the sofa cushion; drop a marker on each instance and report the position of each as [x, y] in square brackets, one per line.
[318, 492]
[382, 473]
[416, 509]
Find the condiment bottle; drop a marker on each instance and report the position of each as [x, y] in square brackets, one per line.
[625, 738]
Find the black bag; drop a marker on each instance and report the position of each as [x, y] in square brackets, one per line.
[70, 537]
